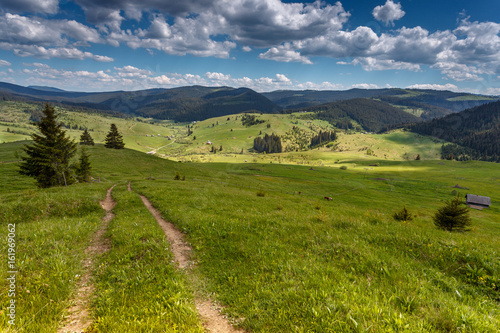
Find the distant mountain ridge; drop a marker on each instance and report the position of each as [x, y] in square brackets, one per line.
[454, 102]
[199, 103]
[44, 88]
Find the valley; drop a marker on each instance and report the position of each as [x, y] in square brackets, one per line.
[299, 241]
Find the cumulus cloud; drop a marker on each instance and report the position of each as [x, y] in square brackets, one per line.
[373, 64]
[58, 52]
[388, 13]
[37, 37]
[365, 86]
[5, 63]
[185, 36]
[133, 78]
[428, 86]
[218, 76]
[263, 23]
[33, 6]
[284, 53]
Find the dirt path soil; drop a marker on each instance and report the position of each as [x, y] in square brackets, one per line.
[211, 316]
[78, 318]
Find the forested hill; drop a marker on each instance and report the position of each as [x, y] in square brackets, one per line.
[293, 99]
[179, 104]
[219, 102]
[371, 115]
[475, 133]
[434, 103]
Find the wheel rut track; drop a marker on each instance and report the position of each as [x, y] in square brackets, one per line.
[212, 318]
[78, 319]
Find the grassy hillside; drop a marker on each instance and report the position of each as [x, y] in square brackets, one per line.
[15, 116]
[285, 260]
[296, 130]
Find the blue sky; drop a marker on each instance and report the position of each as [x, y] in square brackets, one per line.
[102, 45]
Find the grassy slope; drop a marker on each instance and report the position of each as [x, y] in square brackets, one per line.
[134, 133]
[287, 262]
[396, 145]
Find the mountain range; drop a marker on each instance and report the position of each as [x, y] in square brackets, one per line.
[199, 103]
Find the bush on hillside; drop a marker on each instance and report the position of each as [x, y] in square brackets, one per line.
[403, 215]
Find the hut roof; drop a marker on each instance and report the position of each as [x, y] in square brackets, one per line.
[477, 200]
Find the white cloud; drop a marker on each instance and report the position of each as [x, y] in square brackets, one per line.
[365, 86]
[33, 6]
[373, 64]
[264, 23]
[218, 76]
[284, 53]
[282, 78]
[493, 91]
[319, 86]
[36, 37]
[246, 48]
[5, 63]
[191, 35]
[447, 86]
[47, 53]
[17, 29]
[388, 13]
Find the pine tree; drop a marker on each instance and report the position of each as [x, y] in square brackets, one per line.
[453, 217]
[114, 139]
[86, 139]
[48, 158]
[83, 169]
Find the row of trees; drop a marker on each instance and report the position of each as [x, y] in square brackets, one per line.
[322, 138]
[269, 144]
[49, 158]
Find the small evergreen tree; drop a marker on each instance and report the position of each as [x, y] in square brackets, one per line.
[403, 215]
[454, 216]
[83, 169]
[114, 139]
[86, 139]
[48, 159]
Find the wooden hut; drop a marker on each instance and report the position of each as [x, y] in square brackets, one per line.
[477, 201]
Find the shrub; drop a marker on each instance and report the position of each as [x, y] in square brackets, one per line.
[343, 167]
[261, 193]
[403, 215]
[177, 176]
[454, 216]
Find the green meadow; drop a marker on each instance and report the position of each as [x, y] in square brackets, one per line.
[268, 247]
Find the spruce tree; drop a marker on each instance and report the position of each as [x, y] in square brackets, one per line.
[84, 167]
[86, 139]
[114, 139]
[48, 158]
[454, 216]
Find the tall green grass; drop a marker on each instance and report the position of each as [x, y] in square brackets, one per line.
[53, 228]
[282, 262]
[298, 263]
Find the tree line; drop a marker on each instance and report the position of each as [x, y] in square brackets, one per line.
[322, 138]
[269, 144]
